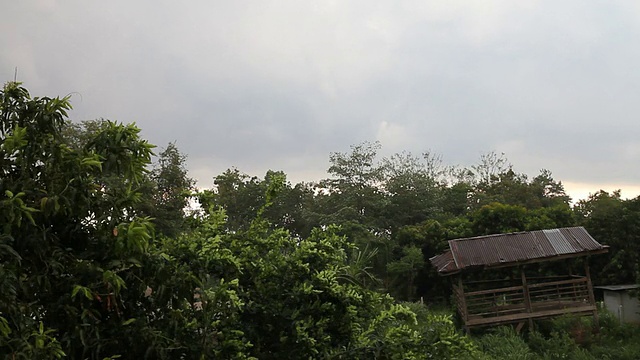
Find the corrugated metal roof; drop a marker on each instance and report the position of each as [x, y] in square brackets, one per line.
[513, 248]
[444, 261]
[559, 242]
[617, 287]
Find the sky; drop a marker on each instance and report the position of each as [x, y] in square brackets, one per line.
[261, 85]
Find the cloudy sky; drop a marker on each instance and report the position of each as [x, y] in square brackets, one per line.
[280, 84]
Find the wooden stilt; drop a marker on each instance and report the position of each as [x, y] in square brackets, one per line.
[527, 299]
[592, 299]
[463, 303]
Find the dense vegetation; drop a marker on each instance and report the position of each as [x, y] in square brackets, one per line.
[98, 258]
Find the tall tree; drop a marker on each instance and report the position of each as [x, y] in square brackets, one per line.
[70, 236]
[413, 190]
[168, 188]
[615, 222]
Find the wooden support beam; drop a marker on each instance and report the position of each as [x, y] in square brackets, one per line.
[592, 299]
[527, 299]
[463, 303]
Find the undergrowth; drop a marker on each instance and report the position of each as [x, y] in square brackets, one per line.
[567, 337]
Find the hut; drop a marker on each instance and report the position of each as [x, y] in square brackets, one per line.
[519, 299]
[622, 302]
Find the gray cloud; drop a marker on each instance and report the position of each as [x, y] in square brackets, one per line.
[281, 84]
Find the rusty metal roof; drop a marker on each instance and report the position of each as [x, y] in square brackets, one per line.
[444, 262]
[516, 248]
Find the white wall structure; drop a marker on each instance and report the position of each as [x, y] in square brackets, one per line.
[619, 301]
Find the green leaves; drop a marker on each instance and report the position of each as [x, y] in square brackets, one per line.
[59, 205]
[5, 330]
[92, 161]
[44, 345]
[133, 238]
[15, 141]
[113, 281]
[14, 210]
[82, 290]
[122, 151]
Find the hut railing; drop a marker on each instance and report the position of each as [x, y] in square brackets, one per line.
[530, 298]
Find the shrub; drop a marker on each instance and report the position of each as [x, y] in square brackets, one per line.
[504, 343]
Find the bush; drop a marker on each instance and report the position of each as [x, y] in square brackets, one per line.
[558, 346]
[616, 340]
[504, 343]
[440, 338]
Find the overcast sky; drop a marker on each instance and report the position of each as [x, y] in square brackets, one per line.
[280, 84]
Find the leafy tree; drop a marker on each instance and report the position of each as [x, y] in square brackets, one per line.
[550, 192]
[167, 192]
[407, 268]
[615, 222]
[241, 196]
[70, 237]
[488, 170]
[353, 195]
[81, 273]
[301, 297]
[497, 218]
[457, 199]
[78, 134]
[412, 189]
[164, 191]
[357, 169]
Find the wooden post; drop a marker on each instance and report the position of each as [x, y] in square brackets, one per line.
[592, 298]
[527, 299]
[463, 304]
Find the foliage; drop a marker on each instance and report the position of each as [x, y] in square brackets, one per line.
[98, 258]
[616, 340]
[564, 338]
[167, 192]
[559, 345]
[504, 343]
[70, 239]
[607, 216]
[300, 300]
[84, 276]
[407, 268]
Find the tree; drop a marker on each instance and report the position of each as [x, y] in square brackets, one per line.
[357, 169]
[165, 189]
[242, 195]
[299, 298]
[407, 268]
[615, 222]
[70, 237]
[167, 192]
[414, 194]
[497, 218]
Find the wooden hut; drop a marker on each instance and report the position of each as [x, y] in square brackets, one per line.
[519, 299]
